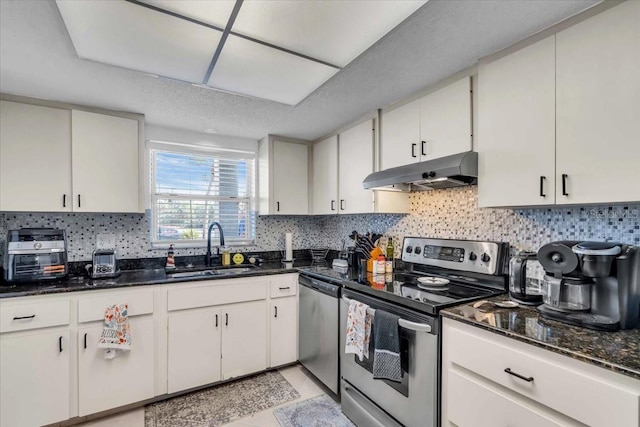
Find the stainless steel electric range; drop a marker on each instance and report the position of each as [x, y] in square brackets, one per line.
[437, 274]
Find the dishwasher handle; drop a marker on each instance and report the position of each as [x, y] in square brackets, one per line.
[406, 324]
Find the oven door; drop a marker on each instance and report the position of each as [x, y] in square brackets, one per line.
[412, 402]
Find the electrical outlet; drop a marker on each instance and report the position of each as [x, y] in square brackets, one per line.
[106, 241]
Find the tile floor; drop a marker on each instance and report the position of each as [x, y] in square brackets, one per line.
[297, 376]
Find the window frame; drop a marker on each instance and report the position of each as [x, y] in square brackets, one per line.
[183, 148]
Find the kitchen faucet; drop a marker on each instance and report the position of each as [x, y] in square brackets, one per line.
[208, 256]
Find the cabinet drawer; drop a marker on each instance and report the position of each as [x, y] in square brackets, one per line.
[92, 309]
[216, 293]
[34, 315]
[596, 399]
[473, 405]
[284, 286]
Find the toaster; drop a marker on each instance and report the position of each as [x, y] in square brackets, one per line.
[105, 264]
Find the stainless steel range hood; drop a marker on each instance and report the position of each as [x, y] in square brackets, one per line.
[452, 171]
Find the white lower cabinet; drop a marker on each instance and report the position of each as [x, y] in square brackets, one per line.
[184, 336]
[244, 339]
[193, 349]
[210, 344]
[34, 379]
[491, 380]
[284, 330]
[108, 383]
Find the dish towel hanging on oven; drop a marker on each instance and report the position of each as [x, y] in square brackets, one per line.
[386, 357]
[116, 334]
[358, 329]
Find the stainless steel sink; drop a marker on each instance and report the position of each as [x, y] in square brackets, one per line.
[220, 271]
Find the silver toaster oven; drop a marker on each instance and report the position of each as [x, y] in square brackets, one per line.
[35, 254]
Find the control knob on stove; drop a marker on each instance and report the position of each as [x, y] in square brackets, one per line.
[409, 249]
[473, 256]
[485, 257]
[417, 250]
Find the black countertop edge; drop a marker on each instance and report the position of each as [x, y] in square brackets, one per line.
[617, 351]
[130, 278]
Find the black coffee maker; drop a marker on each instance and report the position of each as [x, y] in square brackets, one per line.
[591, 284]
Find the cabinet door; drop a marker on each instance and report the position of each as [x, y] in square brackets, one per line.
[193, 349]
[325, 176]
[598, 108]
[34, 379]
[284, 331]
[105, 163]
[35, 158]
[244, 339]
[516, 128]
[400, 136]
[108, 383]
[355, 163]
[290, 178]
[445, 121]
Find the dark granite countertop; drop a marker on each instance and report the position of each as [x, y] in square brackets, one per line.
[141, 277]
[618, 351]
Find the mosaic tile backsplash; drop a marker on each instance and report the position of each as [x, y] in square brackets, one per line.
[450, 213]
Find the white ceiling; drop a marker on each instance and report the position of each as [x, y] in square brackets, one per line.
[37, 59]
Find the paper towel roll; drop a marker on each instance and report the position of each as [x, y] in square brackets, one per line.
[288, 246]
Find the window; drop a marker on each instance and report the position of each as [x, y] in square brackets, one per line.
[194, 186]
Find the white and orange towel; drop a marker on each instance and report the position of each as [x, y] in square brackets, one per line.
[116, 334]
[358, 329]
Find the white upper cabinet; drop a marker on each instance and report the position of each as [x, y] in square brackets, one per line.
[445, 121]
[35, 158]
[436, 125]
[559, 120]
[284, 177]
[355, 160]
[325, 176]
[400, 136]
[516, 129]
[58, 160]
[105, 163]
[598, 108]
[340, 165]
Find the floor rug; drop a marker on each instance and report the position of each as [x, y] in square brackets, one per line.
[321, 411]
[222, 404]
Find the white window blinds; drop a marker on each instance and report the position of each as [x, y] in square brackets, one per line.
[192, 187]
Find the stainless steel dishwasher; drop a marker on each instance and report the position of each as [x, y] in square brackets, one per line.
[318, 334]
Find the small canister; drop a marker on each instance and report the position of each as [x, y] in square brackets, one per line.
[226, 257]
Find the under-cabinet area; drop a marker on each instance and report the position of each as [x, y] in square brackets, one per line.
[183, 336]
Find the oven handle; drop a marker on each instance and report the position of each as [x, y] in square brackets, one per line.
[412, 326]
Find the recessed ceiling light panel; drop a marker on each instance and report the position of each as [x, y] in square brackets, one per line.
[215, 13]
[260, 71]
[332, 31]
[130, 36]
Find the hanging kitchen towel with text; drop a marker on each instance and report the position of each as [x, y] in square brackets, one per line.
[386, 357]
[116, 334]
[358, 329]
